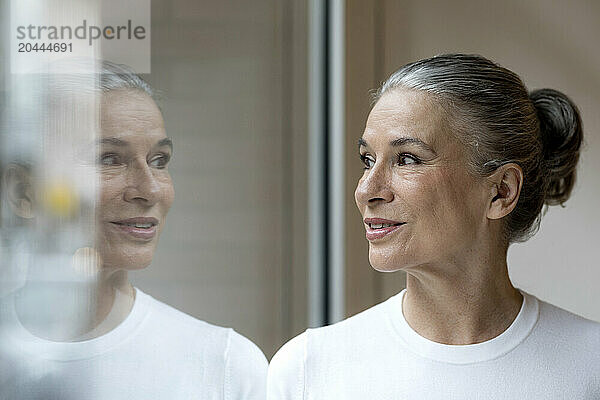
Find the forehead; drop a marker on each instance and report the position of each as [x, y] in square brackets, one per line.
[407, 113]
[129, 112]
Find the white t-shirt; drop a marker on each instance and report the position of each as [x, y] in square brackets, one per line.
[157, 352]
[547, 353]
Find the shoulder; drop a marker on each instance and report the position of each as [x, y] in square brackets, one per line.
[171, 323]
[286, 370]
[564, 325]
[245, 369]
[568, 343]
[357, 329]
[196, 343]
[354, 327]
[224, 353]
[315, 350]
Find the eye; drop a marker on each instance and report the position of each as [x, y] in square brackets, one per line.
[109, 159]
[367, 160]
[159, 161]
[407, 159]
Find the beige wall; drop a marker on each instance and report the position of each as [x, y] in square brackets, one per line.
[550, 44]
[233, 79]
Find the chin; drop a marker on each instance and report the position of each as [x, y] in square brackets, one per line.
[382, 262]
[124, 267]
[130, 260]
[385, 268]
[117, 252]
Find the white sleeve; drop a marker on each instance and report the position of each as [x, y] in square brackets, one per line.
[245, 369]
[285, 380]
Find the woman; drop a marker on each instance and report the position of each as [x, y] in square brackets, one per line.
[459, 160]
[90, 334]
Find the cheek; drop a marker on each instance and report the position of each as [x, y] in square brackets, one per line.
[451, 203]
[357, 197]
[415, 191]
[110, 189]
[167, 193]
[434, 199]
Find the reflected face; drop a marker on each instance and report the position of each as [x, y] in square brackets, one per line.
[136, 190]
[420, 205]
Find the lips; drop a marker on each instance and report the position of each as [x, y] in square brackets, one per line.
[139, 227]
[379, 228]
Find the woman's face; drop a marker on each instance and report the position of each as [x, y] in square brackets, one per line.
[136, 190]
[420, 205]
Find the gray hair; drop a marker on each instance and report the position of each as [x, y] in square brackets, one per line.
[500, 122]
[55, 91]
[119, 76]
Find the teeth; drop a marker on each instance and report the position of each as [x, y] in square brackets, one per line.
[379, 226]
[143, 226]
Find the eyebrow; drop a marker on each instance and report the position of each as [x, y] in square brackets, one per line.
[401, 142]
[122, 143]
[165, 142]
[113, 141]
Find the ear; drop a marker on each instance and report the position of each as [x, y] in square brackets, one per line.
[506, 183]
[19, 190]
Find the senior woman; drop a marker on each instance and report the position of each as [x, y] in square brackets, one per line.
[459, 160]
[109, 340]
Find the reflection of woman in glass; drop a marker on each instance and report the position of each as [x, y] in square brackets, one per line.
[130, 346]
[459, 160]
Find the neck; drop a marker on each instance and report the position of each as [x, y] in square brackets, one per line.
[75, 309]
[461, 303]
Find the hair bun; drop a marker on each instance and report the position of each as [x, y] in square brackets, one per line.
[562, 134]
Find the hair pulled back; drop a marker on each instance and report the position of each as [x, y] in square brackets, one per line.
[497, 119]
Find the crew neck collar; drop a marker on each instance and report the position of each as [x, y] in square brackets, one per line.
[496, 347]
[23, 340]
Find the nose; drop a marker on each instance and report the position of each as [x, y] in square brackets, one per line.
[374, 187]
[142, 186]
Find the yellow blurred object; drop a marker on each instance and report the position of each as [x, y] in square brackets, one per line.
[61, 199]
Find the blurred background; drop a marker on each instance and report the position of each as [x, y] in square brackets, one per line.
[265, 100]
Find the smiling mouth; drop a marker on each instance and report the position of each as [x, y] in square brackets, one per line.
[138, 222]
[378, 228]
[141, 228]
[139, 225]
